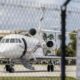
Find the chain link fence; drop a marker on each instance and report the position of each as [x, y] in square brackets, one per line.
[19, 17]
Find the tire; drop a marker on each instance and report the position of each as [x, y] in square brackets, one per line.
[9, 68]
[52, 68]
[48, 68]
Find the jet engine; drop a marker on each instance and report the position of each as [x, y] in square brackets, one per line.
[50, 44]
[32, 31]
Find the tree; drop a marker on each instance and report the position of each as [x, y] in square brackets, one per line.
[72, 43]
[58, 53]
[59, 36]
[71, 47]
[50, 36]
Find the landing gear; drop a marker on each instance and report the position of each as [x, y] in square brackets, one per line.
[50, 67]
[9, 66]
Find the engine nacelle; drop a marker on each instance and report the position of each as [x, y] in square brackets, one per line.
[32, 31]
[50, 44]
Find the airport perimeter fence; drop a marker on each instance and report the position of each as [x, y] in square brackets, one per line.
[33, 28]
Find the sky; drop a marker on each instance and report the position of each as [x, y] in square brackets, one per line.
[26, 14]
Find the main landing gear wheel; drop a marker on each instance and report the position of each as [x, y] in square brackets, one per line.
[9, 68]
[50, 67]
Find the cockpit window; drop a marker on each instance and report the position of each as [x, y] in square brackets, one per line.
[11, 40]
[6, 40]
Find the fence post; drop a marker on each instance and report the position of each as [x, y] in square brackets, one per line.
[63, 30]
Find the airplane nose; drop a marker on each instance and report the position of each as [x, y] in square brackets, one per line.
[10, 51]
[4, 49]
[1, 51]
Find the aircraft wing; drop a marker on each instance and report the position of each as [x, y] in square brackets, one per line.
[56, 31]
[1, 58]
[54, 58]
[4, 60]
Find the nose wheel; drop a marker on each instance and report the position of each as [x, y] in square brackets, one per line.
[9, 68]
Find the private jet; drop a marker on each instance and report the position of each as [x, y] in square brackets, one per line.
[25, 48]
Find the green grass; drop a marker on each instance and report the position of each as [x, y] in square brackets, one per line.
[33, 78]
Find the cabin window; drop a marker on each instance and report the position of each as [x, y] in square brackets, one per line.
[18, 40]
[12, 40]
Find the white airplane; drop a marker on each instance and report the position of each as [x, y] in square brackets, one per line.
[25, 49]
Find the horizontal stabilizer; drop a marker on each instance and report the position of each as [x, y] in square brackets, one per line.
[54, 57]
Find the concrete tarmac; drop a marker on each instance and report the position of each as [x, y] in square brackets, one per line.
[40, 71]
